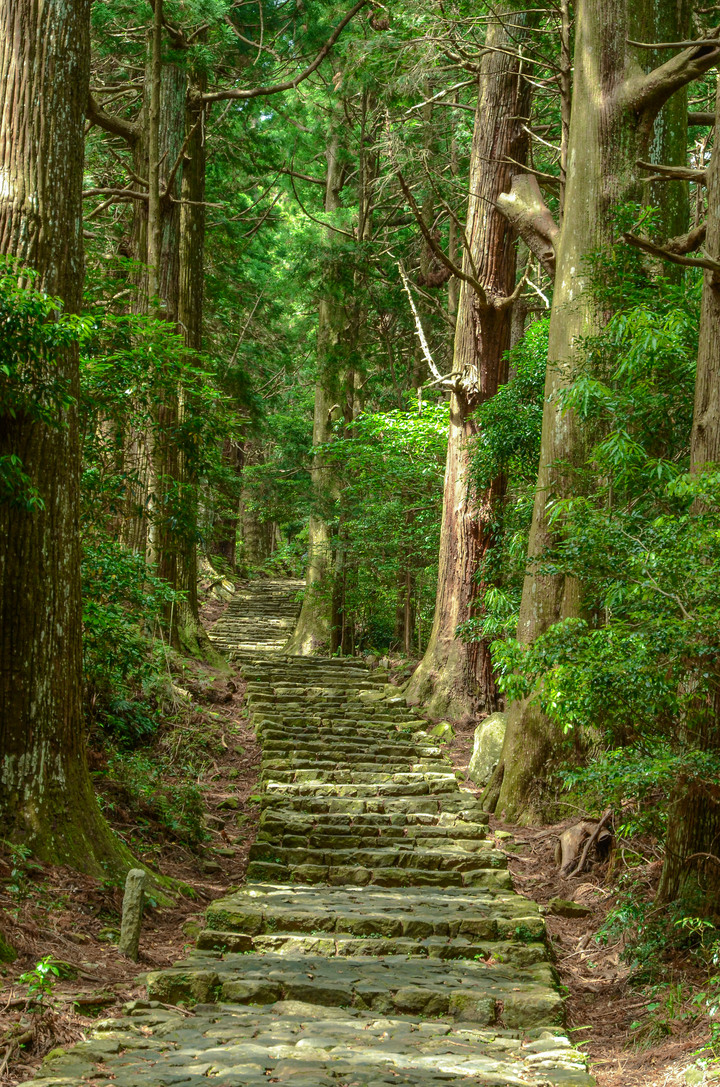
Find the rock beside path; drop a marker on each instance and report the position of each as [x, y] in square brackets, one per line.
[487, 748]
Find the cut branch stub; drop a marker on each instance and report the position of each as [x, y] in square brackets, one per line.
[526, 210]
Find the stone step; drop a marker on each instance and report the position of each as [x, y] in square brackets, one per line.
[346, 946]
[406, 853]
[480, 993]
[283, 821]
[359, 835]
[351, 805]
[368, 911]
[424, 786]
[385, 840]
[309, 1046]
[349, 774]
[352, 874]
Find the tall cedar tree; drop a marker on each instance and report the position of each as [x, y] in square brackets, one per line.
[46, 796]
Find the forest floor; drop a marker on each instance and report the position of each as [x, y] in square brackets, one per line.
[635, 1037]
[636, 1033]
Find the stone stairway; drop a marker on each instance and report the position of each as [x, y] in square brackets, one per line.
[259, 619]
[377, 941]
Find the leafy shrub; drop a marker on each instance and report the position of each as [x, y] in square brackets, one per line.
[177, 805]
[123, 665]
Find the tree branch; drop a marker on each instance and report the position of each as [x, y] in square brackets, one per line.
[528, 213]
[687, 243]
[418, 325]
[290, 84]
[433, 245]
[668, 254]
[673, 173]
[127, 194]
[117, 126]
[704, 120]
[649, 93]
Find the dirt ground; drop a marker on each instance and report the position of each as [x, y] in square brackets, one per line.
[47, 911]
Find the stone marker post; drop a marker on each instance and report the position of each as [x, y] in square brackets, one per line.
[132, 910]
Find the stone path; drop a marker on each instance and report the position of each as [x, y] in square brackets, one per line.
[378, 940]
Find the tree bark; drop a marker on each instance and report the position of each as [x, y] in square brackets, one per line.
[313, 633]
[192, 636]
[694, 818]
[455, 677]
[614, 108]
[46, 796]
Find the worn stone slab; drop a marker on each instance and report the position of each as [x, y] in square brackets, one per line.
[305, 1044]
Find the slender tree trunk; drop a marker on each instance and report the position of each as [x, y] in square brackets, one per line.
[256, 536]
[694, 818]
[455, 677]
[46, 796]
[192, 636]
[614, 108]
[314, 631]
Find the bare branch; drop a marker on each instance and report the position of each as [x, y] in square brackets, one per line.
[673, 173]
[418, 325]
[674, 258]
[704, 120]
[290, 84]
[127, 194]
[433, 245]
[687, 243]
[528, 213]
[648, 93]
[117, 126]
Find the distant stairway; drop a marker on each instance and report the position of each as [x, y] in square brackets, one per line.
[259, 619]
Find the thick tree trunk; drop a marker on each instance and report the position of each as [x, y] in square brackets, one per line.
[615, 105]
[46, 796]
[694, 817]
[455, 677]
[314, 630]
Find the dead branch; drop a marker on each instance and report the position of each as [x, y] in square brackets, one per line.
[433, 245]
[701, 120]
[126, 194]
[117, 126]
[418, 324]
[687, 243]
[648, 93]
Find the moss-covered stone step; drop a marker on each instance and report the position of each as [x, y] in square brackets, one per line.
[259, 618]
[351, 805]
[349, 775]
[338, 875]
[283, 818]
[347, 946]
[464, 857]
[364, 911]
[476, 992]
[385, 839]
[337, 762]
[302, 1045]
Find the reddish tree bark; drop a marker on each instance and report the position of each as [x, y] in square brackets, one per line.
[46, 797]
